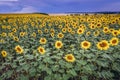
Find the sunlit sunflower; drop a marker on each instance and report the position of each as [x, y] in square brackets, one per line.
[43, 40]
[103, 45]
[60, 35]
[85, 44]
[69, 58]
[106, 30]
[69, 29]
[3, 53]
[19, 49]
[41, 50]
[58, 44]
[115, 32]
[80, 31]
[114, 41]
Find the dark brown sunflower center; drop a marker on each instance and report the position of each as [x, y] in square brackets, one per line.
[85, 44]
[69, 57]
[103, 44]
[114, 41]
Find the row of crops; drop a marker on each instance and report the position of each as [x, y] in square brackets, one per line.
[85, 47]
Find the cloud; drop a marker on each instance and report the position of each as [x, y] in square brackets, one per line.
[27, 9]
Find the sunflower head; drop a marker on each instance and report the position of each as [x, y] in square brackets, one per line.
[43, 40]
[41, 50]
[85, 44]
[19, 49]
[106, 30]
[80, 31]
[22, 34]
[114, 41]
[58, 44]
[4, 53]
[69, 58]
[60, 35]
[15, 38]
[103, 45]
[115, 32]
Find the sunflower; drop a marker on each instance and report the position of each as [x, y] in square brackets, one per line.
[15, 38]
[40, 31]
[96, 33]
[88, 33]
[14, 29]
[52, 34]
[64, 30]
[4, 53]
[103, 45]
[58, 44]
[85, 44]
[92, 26]
[69, 58]
[43, 40]
[19, 49]
[33, 34]
[69, 29]
[80, 31]
[106, 30]
[115, 32]
[41, 50]
[60, 35]
[22, 34]
[4, 34]
[114, 41]
[10, 34]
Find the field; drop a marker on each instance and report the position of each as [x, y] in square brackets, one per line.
[43, 47]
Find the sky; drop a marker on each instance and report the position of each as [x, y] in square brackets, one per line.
[58, 6]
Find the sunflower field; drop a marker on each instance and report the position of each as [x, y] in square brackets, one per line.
[43, 47]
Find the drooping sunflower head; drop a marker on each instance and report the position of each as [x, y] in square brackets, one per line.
[3, 53]
[41, 50]
[58, 44]
[19, 49]
[114, 41]
[85, 44]
[103, 45]
[69, 58]
[43, 40]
